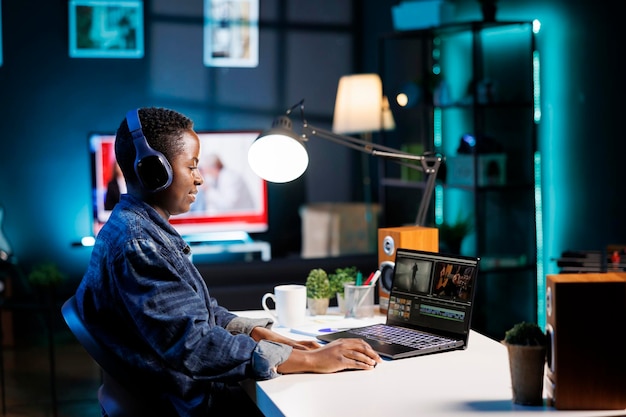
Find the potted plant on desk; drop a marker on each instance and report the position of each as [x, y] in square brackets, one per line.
[317, 291]
[526, 344]
[337, 279]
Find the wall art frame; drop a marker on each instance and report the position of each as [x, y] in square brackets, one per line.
[231, 33]
[106, 29]
[1, 53]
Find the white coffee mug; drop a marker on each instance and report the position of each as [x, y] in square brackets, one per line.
[290, 303]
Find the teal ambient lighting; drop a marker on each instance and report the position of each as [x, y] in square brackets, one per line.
[536, 88]
[438, 205]
[437, 144]
[437, 128]
[541, 281]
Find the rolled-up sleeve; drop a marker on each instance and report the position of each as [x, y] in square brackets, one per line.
[267, 356]
[244, 325]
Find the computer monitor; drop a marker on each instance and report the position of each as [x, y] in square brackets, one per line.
[234, 201]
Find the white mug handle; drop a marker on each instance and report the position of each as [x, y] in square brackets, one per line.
[266, 308]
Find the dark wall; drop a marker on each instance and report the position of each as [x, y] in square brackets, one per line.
[50, 102]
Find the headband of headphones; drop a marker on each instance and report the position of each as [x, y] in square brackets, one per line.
[152, 167]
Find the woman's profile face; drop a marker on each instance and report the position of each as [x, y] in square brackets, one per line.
[178, 197]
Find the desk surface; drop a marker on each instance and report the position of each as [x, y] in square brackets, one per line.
[475, 381]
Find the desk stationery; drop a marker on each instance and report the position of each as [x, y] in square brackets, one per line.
[475, 381]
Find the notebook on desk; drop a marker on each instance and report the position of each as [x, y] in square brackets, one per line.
[430, 306]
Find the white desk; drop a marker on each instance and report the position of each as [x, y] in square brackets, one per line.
[475, 381]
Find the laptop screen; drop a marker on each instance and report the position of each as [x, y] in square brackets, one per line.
[433, 291]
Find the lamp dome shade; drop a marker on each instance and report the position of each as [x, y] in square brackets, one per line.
[278, 155]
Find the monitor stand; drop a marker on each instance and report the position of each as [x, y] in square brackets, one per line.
[220, 243]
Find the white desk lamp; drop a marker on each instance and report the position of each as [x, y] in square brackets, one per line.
[279, 154]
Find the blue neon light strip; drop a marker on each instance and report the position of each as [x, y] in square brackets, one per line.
[536, 88]
[541, 282]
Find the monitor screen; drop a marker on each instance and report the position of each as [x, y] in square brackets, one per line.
[232, 198]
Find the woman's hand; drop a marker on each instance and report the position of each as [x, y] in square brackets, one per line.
[336, 356]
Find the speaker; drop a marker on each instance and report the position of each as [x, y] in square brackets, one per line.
[152, 167]
[392, 238]
[586, 365]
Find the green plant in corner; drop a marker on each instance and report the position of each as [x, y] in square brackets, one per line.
[46, 275]
[318, 284]
[340, 277]
[526, 334]
[454, 233]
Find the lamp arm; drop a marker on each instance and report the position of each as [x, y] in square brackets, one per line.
[429, 164]
[354, 143]
[422, 211]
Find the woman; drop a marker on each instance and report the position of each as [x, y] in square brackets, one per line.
[144, 299]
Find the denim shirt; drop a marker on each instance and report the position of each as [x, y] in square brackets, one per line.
[143, 298]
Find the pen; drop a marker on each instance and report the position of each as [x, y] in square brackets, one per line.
[359, 278]
[375, 278]
[333, 329]
[369, 279]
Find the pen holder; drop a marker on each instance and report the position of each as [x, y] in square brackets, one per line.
[359, 300]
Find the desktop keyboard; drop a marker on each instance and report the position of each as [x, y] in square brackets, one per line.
[402, 336]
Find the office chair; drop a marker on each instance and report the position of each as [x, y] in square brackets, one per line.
[121, 394]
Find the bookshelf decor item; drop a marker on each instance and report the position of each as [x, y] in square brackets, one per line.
[106, 29]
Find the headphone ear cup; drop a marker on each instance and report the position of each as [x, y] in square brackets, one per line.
[152, 167]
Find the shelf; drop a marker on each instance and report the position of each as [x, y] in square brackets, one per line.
[450, 28]
[490, 188]
[487, 70]
[397, 182]
[492, 105]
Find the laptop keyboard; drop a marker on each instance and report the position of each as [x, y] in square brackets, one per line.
[402, 336]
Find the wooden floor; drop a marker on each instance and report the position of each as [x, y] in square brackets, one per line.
[29, 387]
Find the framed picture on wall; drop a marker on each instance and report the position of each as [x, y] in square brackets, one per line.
[106, 29]
[231, 33]
[1, 33]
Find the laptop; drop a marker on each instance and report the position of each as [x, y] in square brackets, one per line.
[430, 306]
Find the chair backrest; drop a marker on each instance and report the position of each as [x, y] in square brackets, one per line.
[122, 393]
[107, 361]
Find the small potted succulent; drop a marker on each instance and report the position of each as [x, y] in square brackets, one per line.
[337, 279]
[317, 291]
[526, 344]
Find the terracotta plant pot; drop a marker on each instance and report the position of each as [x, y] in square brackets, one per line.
[527, 364]
[317, 306]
